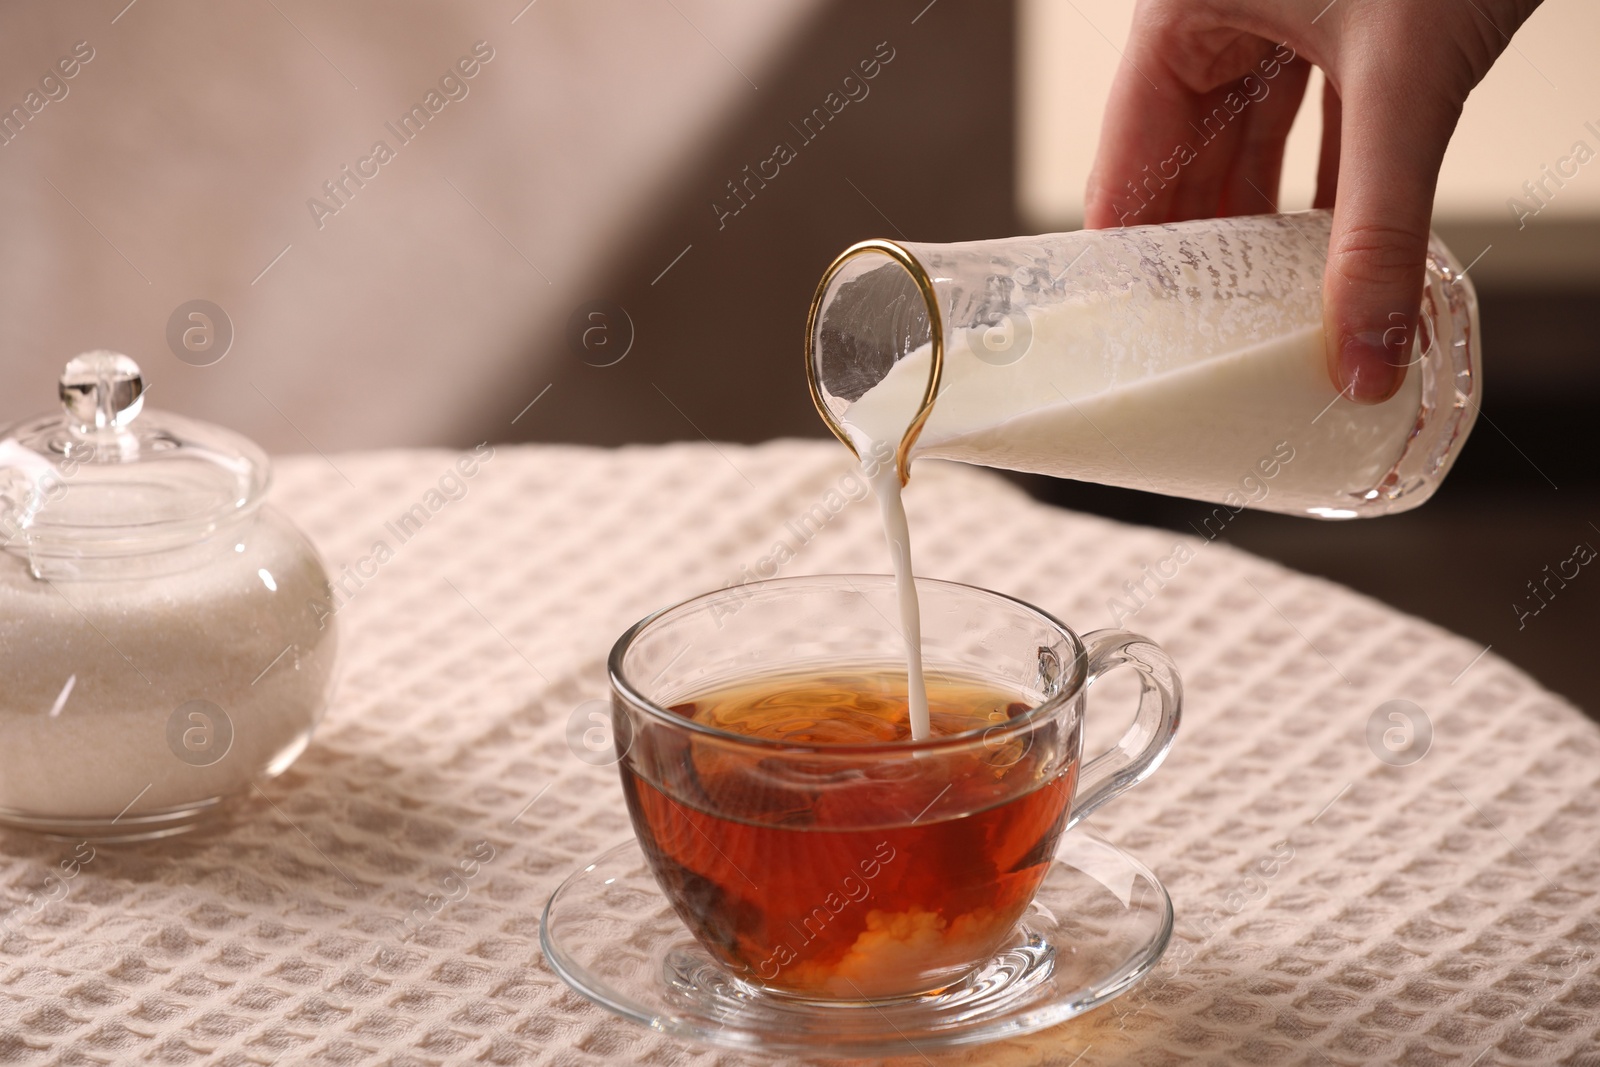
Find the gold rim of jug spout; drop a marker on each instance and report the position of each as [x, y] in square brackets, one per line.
[930, 300]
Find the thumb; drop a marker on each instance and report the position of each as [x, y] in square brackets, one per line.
[1392, 137]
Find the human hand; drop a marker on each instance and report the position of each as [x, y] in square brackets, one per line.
[1398, 73]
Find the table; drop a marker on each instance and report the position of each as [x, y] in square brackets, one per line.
[1442, 911]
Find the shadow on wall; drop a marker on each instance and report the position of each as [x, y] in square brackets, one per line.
[884, 120]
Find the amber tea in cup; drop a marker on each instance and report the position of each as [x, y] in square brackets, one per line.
[790, 886]
[811, 847]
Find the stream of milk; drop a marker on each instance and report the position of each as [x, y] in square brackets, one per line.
[886, 485]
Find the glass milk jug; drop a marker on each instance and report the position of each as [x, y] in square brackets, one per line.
[1185, 359]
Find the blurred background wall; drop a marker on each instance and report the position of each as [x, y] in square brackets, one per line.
[598, 222]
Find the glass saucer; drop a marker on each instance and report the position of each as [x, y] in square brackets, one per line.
[1099, 924]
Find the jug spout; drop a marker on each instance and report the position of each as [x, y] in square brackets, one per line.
[1186, 359]
[875, 307]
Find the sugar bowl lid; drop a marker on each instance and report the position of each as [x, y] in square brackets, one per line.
[103, 481]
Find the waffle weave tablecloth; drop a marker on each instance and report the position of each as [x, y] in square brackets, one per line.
[1440, 911]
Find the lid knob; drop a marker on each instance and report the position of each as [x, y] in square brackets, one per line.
[101, 390]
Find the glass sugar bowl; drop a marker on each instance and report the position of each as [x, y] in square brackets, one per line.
[160, 651]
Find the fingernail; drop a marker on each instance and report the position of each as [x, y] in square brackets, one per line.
[1367, 368]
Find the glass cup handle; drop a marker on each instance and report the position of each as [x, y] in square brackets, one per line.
[1142, 748]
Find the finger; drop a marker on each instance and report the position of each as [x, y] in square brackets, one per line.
[1251, 184]
[1215, 126]
[1141, 126]
[1392, 139]
[1166, 150]
[1328, 157]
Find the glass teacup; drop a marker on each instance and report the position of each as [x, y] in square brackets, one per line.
[811, 849]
